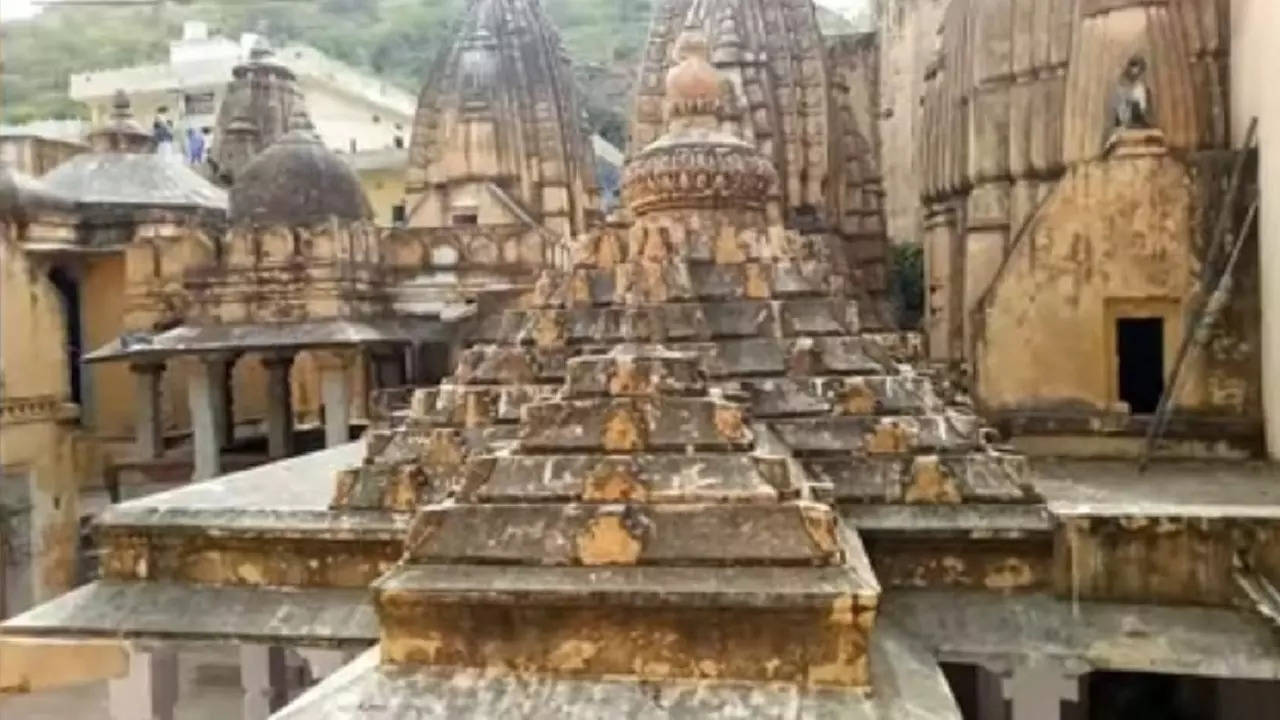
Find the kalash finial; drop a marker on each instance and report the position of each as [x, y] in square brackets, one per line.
[694, 89]
[121, 109]
[300, 123]
[260, 50]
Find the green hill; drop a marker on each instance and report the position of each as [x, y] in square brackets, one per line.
[394, 39]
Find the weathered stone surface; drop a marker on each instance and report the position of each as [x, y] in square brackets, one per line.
[907, 680]
[31, 665]
[982, 627]
[385, 692]
[960, 560]
[664, 533]
[1149, 557]
[705, 477]
[925, 479]
[266, 526]
[633, 425]
[499, 96]
[180, 610]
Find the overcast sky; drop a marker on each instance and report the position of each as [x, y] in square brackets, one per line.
[844, 6]
[15, 9]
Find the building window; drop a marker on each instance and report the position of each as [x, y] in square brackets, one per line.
[398, 140]
[397, 214]
[199, 103]
[1140, 362]
[377, 119]
[466, 218]
[353, 145]
[69, 295]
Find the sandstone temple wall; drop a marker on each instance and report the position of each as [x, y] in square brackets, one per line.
[907, 31]
[1015, 108]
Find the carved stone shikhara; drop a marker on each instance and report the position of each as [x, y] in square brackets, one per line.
[808, 108]
[500, 115]
[261, 98]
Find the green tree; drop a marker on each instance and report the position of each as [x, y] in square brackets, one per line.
[906, 284]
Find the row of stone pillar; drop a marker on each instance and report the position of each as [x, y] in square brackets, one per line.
[210, 403]
[150, 689]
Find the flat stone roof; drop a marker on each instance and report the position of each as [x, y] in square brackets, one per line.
[334, 332]
[909, 686]
[286, 498]
[178, 611]
[992, 520]
[1181, 488]
[997, 630]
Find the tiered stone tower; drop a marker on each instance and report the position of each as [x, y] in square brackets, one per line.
[498, 136]
[634, 529]
[703, 268]
[631, 474]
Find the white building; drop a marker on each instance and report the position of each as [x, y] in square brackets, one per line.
[352, 111]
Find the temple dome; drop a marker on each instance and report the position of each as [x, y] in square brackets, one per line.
[23, 197]
[694, 163]
[297, 181]
[123, 172]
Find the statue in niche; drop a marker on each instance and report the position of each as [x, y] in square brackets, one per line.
[1131, 104]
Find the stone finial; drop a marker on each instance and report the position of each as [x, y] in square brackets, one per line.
[300, 122]
[693, 86]
[121, 133]
[261, 50]
[121, 109]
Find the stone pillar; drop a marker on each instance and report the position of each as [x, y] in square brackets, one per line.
[986, 238]
[324, 662]
[205, 436]
[989, 695]
[388, 368]
[336, 393]
[150, 690]
[1036, 691]
[279, 406]
[262, 678]
[220, 392]
[148, 420]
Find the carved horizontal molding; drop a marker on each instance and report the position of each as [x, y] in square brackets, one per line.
[36, 408]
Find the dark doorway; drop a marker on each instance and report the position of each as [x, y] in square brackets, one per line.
[1147, 696]
[431, 363]
[69, 294]
[1140, 362]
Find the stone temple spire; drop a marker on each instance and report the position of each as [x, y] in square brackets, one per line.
[121, 133]
[782, 97]
[772, 52]
[698, 193]
[260, 99]
[497, 138]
